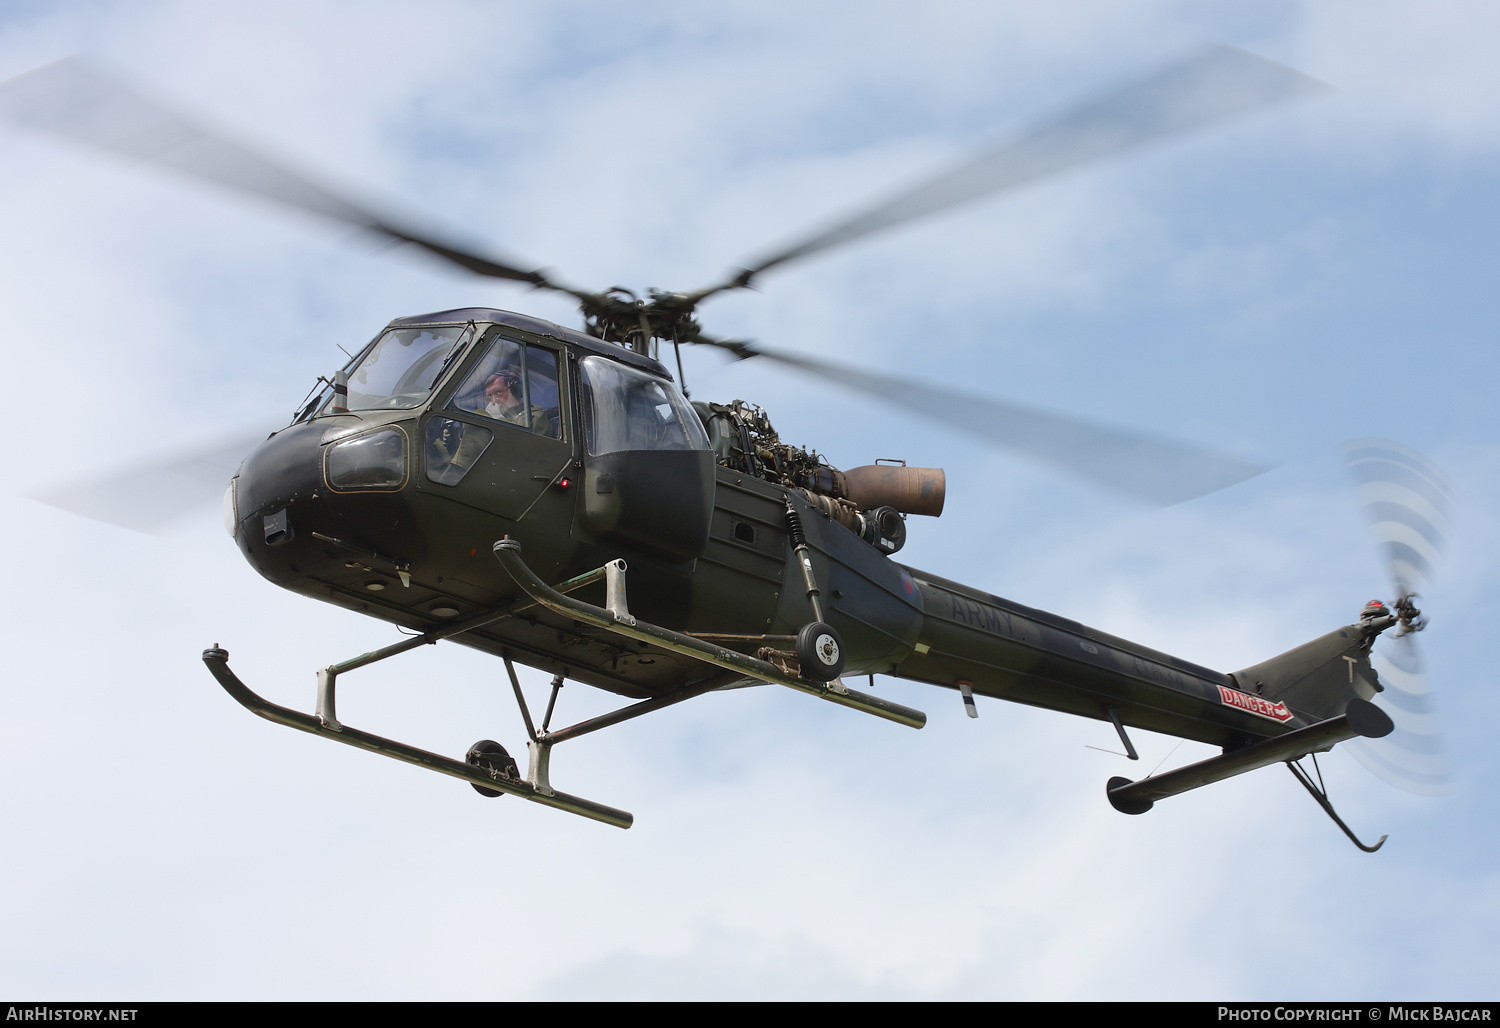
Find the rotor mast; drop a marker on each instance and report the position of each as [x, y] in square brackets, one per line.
[618, 315]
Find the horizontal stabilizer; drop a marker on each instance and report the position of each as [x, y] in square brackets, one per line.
[1361, 719]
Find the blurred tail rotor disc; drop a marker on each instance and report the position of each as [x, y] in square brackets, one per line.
[1408, 502]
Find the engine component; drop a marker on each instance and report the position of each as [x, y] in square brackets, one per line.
[909, 490]
[870, 501]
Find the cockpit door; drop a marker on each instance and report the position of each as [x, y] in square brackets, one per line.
[648, 471]
[501, 441]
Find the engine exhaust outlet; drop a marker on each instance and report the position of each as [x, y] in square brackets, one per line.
[909, 490]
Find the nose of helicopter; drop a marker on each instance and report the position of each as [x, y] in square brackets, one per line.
[332, 481]
[276, 488]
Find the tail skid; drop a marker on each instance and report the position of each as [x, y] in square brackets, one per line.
[1319, 792]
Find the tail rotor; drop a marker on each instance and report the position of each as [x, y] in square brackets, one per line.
[1408, 502]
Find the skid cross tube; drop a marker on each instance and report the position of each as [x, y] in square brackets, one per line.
[1359, 719]
[328, 676]
[638, 708]
[616, 620]
[217, 661]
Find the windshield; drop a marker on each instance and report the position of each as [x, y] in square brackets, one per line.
[400, 370]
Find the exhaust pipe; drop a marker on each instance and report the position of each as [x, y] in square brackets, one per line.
[909, 490]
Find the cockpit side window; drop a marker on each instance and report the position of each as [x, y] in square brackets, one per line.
[514, 384]
[627, 409]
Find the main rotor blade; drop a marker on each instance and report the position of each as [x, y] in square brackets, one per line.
[150, 496]
[1156, 471]
[88, 104]
[1214, 86]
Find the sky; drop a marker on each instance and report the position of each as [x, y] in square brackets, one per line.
[1269, 289]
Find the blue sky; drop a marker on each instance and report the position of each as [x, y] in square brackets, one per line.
[1270, 289]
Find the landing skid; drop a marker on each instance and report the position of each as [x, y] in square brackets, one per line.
[488, 768]
[496, 780]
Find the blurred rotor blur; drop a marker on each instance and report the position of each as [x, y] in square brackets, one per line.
[1409, 503]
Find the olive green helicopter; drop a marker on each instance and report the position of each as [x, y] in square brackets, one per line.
[551, 497]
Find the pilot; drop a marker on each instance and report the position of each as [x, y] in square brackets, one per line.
[501, 401]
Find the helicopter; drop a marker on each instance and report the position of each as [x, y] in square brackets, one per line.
[551, 497]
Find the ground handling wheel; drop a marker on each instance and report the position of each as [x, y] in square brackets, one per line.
[491, 756]
[820, 651]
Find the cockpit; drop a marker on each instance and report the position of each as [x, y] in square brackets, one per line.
[515, 418]
[473, 425]
[512, 382]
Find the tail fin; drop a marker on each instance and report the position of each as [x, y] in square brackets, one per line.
[1319, 678]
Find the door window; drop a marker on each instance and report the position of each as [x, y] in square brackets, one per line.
[627, 409]
[514, 384]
